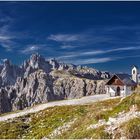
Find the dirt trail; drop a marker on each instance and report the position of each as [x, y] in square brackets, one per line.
[83, 100]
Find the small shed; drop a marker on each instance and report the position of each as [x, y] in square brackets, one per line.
[120, 85]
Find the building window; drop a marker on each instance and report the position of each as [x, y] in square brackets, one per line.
[133, 71]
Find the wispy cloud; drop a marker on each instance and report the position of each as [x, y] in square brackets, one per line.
[99, 60]
[97, 52]
[92, 61]
[68, 46]
[122, 49]
[30, 49]
[6, 36]
[63, 37]
[95, 60]
[79, 54]
[82, 38]
[104, 35]
[6, 42]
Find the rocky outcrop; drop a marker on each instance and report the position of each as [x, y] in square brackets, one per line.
[34, 63]
[5, 105]
[40, 87]
[54, 64]
[34, 89]
[70, 88]
[1, 67]
[114, 125]
[9, 73]
[39, 81]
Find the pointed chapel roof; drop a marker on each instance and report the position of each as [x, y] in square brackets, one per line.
[134, 66]
[125, 79]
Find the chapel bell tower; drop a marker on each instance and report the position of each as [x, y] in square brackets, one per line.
[135, 74]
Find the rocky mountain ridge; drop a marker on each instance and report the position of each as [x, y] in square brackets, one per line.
[38, 80]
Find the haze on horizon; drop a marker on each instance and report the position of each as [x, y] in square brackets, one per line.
[104, 35]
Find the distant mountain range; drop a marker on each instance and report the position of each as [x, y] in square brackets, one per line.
[39, 80]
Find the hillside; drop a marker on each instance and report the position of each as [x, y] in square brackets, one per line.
[114, 118]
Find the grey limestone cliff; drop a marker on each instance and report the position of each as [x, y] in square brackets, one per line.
[40, 81]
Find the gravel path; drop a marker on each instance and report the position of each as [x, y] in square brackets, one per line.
[83, 100]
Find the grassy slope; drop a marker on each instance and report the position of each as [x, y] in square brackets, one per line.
[41, 124]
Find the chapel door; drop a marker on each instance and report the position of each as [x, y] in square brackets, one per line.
[118, 91]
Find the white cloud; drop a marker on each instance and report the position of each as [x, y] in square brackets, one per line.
[97, 52]
[7, 46]
[108, 35]
[78, 54]
[68, 46]
[6, 42]
[98, 60]
[90, 61]
[63, 37]
[123, 49]
[4, 38]
[30, 49]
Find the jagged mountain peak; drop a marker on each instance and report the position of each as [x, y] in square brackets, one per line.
[39, 80]
[36, 60]
[10, 72]
[36, 57]
[6, 62]
[1, 67]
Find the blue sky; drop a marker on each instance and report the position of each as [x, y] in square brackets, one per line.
[104, 35]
